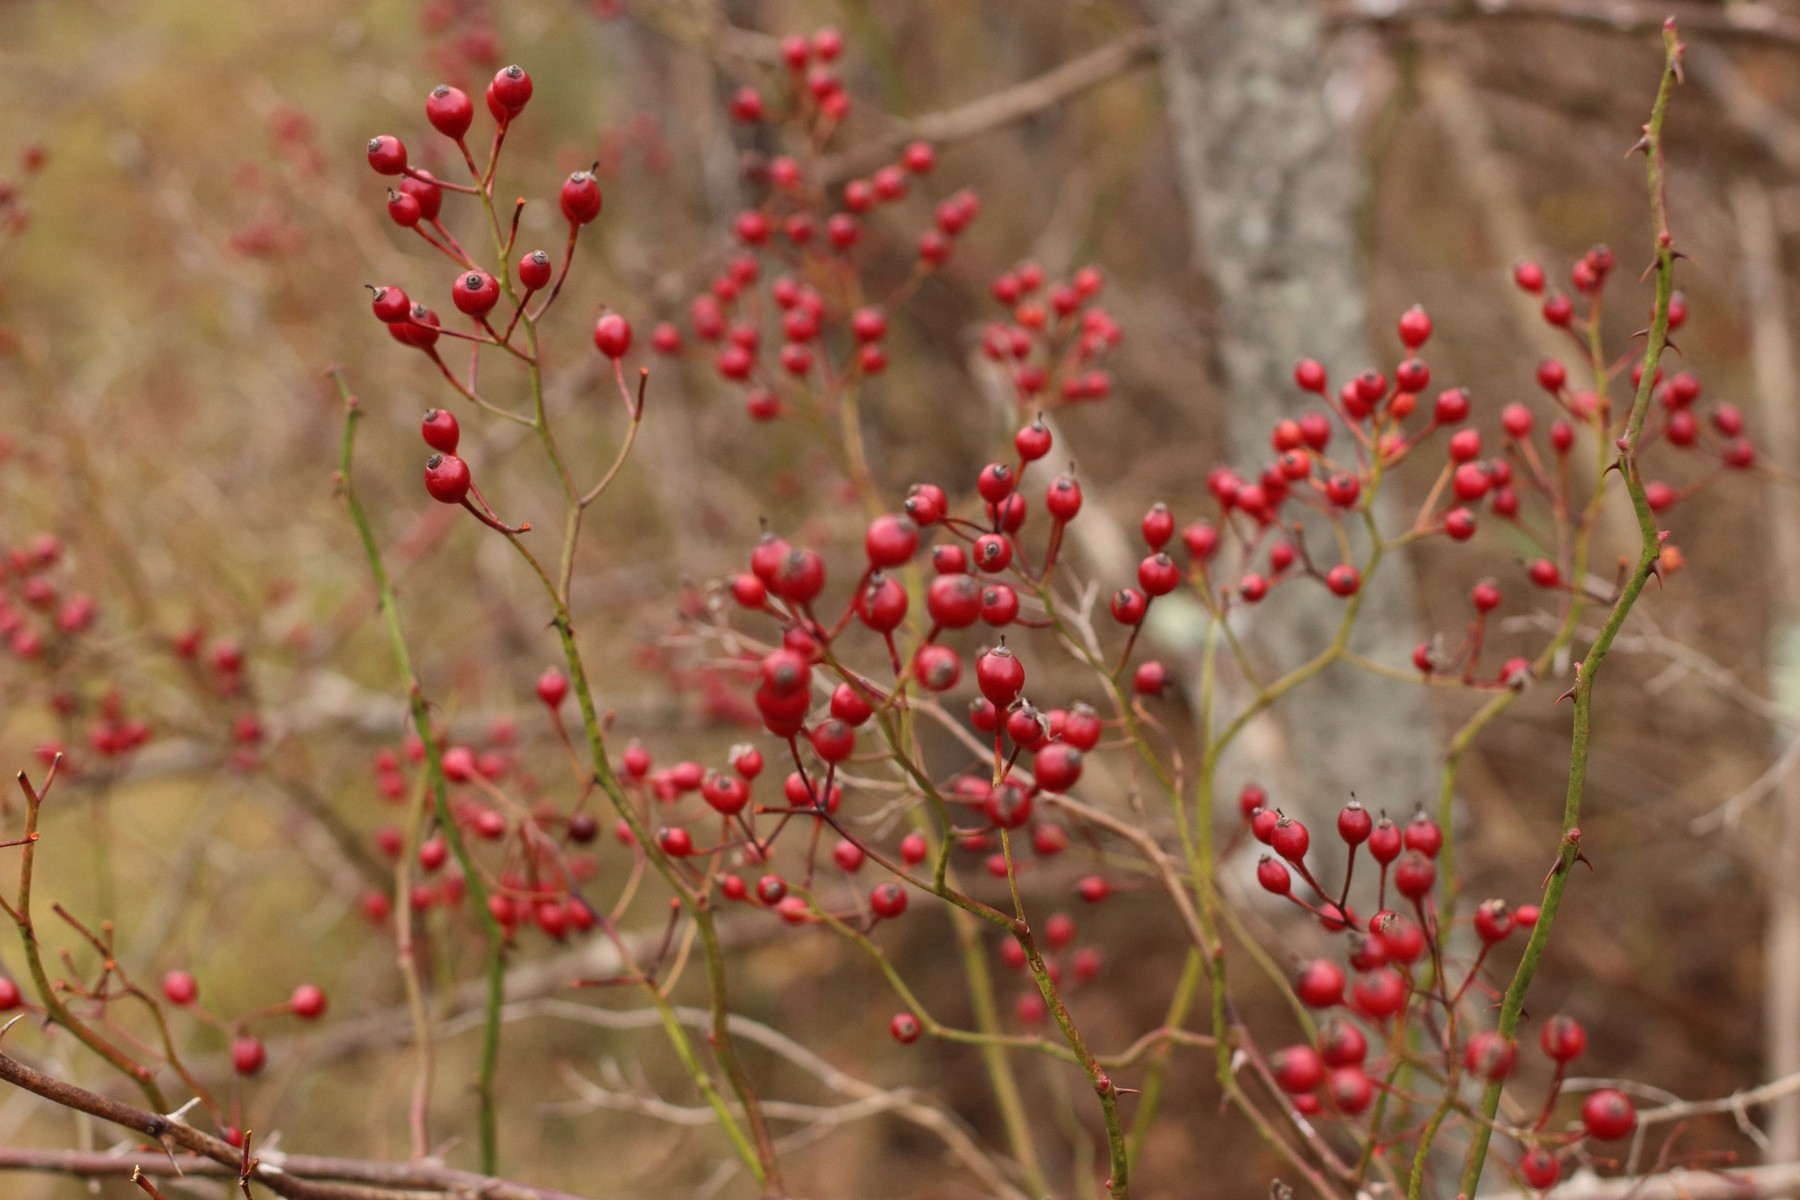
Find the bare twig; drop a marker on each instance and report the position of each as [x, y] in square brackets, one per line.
[1005, 106]
[1751, 1183]
[1748, 22]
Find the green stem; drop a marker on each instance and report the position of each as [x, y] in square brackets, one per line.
[494, 963]
[1513, 1003]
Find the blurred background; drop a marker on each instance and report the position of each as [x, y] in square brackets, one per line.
[190, 224]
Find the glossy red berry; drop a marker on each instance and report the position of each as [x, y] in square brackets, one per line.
[1485, 597]
[1539, 1168]
[1057, 767]
[1354, 824]
[1297, 1068]
[904, 1028]
[996, 482]
[1158, 575]
[1414, 875]
[511, 89]
[612, 335]
[1319, 983]
[475, 292]
[1378, 994]
[1415, 327]
[535, 270]
[387, 155]
[1309, 376]
[1063, 498]
[1343, 580]
[1033, 441]
[1608, 1115]
[308, 1001]
[449, 110]
[993, 553]
[1272, 875]
[999, 605]
[440, 430]
[1000, 675]
[1128, 606]
[1424, 835]
[1150, 679]
[390, 304]
[1290, 839]
[447, 478]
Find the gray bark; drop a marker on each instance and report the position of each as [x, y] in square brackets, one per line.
[1271, 184]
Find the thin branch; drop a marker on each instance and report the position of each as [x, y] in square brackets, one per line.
[1005, 106]
[1750, 22]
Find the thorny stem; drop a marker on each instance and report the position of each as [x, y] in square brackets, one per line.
[1513, 1003]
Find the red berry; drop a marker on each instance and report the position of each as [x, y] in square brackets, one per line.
[1378, 994]
[1423, 835]
[1452, 407]
[390, 304]
[937, 667]
[475, 292]
[534, 270]
[1415, 327]
[1319, 984]
[1354, 824]
[1150, 679]
[904, 1028]
[1297, 1069]
[1273, 876]
[999, 605]
[387, 155]
[1528, 275]
[675, 842]
[993, 553]
[1000, 675]
[1343, 580]
[996, 482]
[1608, 1115]
[440, 430]
[1350, 1090]
[888, 900]
[1309, 376]
[449, 110]
[248, 1055]
[1493, 921]
[511, 89]
[1290, 839]
[1057, 767]
[1489, 1055]
[1253, 587]
[1342, 1044]
[1128, 606]
[1262, 825]
[1158, 575]
[179, 987]
[1563, 1038]
[1539, 1168]
[1414, 875]
[612, 335]
[1063, 499]
[447, 478]
[308, 1001]
[403, 209]
[1558, 310]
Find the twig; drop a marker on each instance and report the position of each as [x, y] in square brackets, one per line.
[1749, 21]
[1005, 106]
